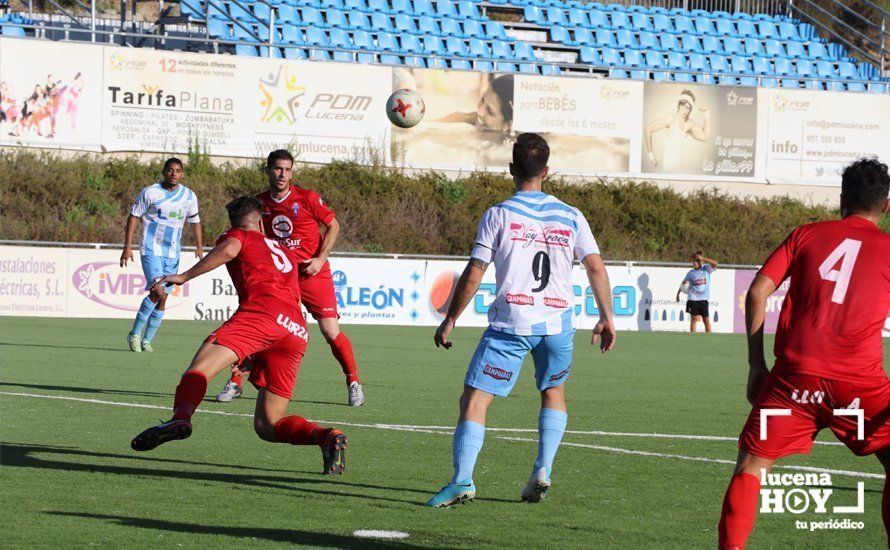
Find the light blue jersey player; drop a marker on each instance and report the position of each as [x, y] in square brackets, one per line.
[164, 208]
[532, 239]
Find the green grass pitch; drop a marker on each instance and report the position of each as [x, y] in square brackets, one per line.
[68, 476]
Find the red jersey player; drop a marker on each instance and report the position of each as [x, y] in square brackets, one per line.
[268, 325]
[291, 215]
[828, 347]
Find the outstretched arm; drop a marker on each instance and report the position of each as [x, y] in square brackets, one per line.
[221, 253]
[467, 286]
[602, 292]
[658, 124]
[755, 315]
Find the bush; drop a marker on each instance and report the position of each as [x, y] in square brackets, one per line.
[86, 198]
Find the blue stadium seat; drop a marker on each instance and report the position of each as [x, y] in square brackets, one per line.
[788, 31]
[704, 25]
[767, 30]
[380, 22]
[732, 45]
[389, 59]
[502, 67]
[611, 56]
[446, 7]
[410, 43]
[847, 70]
[242, 34]
[427, 25]
[288, 14]
[480, 48]
[790, 83]
[825, 69]
[855, 87]
[804, 68]
[691, 43]
[649, 41]
[762, 65]
[218, 28]
[311, 16]
[405, 24]
[240, 49]
[533, 14]
[807, 31]
[262, 12]
[753, 46]
[387, 42]
[719, 64]
[340, 38]
[654, 59]
[668, 42]
[456, 46]
[724, 80]
[501, 50]
[496, 30]
[836, 51]
[782, 66]
[711, 44]
[343, 57]
[589, 55]
[483, 66]
[583, 36]
[578, 18]
[193, 10]
[336, 18]
[620, 20]
[684, 25]
[641, 22]
[740, 65]
[718, 15]
[605, 38]
[423, 7]
[359, 5]
[817, 50]
[461, 64]
[414, 61]
[662, 23]
[241, 13]
[467, 10]
[812, 85]
[633, 58]
[746, 28]
[294, 53]
[639, 75]
[769, 83]
[357, 20]
[598, 20]
[450, 27]
[795, 50]
[748, 81]
[560, 34]
[548, 70]
[626, 39]
[362, 40]
[774, 48]
[877, 88]
[683, 77]
[432, 45]
[402, 7]
[726, 27]
[676, 60]
[436, 63]
[316, 36]
[321, 4]
[524, 51]
[869, 71]
[704, 79]
[556, 16]
[528, 68]
[378, 6]
[473, 27]
[835, 86]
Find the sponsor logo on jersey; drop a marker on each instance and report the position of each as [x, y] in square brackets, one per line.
[556, 302]
[561, 374]
[520, 299]
[293, 327]
[496, 373]
[547, 235]
[282, 226]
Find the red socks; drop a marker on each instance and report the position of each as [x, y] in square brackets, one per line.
[739, 511]
[189, 394]
[341, 347]
[296, 430]
[238, 379]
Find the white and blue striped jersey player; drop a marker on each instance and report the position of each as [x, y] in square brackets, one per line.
[164, 214]
[532, 239]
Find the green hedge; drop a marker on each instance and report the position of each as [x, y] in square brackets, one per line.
[85, 199]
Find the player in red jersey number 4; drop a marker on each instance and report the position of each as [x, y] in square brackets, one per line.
[292, 215]
[268, 325]
[828, 347]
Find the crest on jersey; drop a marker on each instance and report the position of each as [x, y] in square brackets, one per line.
[296, 208]
[282, 226]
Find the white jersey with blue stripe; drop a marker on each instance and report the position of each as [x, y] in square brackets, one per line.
[164, 214]
[532, 239]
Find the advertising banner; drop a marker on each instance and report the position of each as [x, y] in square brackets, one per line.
[812, 135]
[378, 292]
[699, 130]
[50, 94]
[592, 125]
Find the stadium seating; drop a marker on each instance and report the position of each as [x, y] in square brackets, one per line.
[624, 41]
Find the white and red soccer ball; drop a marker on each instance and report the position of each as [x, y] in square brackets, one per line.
[405, 108]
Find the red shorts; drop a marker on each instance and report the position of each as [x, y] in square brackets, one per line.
[276, 341]
[812, 401]
[317, 294]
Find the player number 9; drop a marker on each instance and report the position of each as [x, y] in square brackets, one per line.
[541, 270]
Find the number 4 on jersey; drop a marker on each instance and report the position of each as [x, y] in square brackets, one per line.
[848, 251]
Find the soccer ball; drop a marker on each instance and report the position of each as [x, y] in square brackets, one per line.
[405, 108]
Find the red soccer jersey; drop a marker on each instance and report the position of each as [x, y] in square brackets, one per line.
[293, 220]
[263, 272]
[837, 302]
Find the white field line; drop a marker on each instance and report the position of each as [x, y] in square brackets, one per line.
[445, 430]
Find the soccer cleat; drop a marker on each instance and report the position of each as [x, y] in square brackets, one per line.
[536, 488]
[356, 395]
[333, 451]
[135, 342]
[231, 391]
[146, 346]
[162, 433]
[453, 493]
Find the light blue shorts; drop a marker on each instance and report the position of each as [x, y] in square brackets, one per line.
[157, 266]
[498, 359]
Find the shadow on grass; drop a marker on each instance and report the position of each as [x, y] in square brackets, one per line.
[293, 536]
[92, 348]
[23, 456]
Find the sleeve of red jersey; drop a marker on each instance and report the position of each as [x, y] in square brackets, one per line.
[233, 233]
[778, 265]
[319, 209]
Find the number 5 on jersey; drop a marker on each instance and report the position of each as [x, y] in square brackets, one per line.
[848, 251]
[279, 257]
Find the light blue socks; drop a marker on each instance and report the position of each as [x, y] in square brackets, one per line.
[551, 426]
[142, 315]
[468, 438]
[154, 323]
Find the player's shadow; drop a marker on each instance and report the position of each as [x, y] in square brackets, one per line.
[23, 456]
[291, 536]
[76, 389]
[93, 348]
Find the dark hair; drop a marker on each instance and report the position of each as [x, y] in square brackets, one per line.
[530, 156]
[502, 86]
[173, 160]
[865, 185]
[241, 207]
[279, 154]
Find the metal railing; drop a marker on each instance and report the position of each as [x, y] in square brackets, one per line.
[871, 43]
[335, 254]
